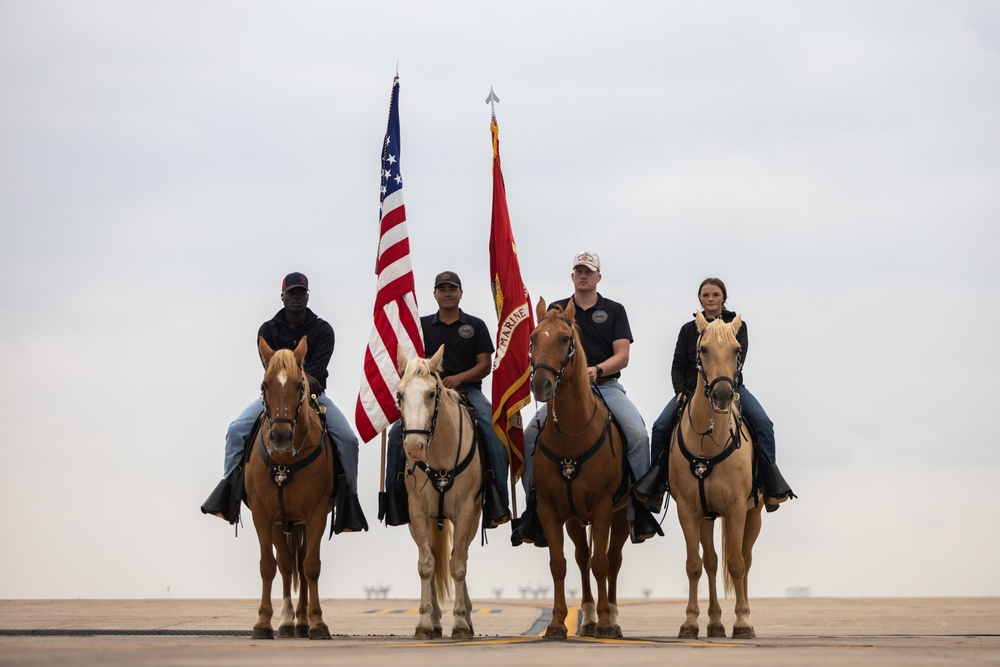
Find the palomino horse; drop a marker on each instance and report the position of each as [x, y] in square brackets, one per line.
[289, 482]
[711, 475]
[578, 472]
[445, 494]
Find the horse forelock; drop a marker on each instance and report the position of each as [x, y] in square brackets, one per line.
[718, 331]
[283, 361]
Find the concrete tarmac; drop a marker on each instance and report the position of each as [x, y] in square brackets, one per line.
[790, 631]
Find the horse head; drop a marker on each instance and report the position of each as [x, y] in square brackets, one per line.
[554, 348]
[418, 399]
[284, 392]
[718, 359]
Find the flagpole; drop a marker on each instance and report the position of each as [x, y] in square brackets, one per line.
[492, 100]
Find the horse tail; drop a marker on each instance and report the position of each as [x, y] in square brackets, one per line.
[727, 580]
[441, 546]
[296, 543]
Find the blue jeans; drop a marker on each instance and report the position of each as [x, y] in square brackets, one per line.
[636, 440]
[749, 406]
[497, 452]
[336, 424]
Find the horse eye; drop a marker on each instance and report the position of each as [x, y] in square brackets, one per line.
[565, 339]
[703, 350]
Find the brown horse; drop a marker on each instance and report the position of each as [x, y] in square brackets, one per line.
[289, 482]
[578, 471]
[444, 485]
[711, 475]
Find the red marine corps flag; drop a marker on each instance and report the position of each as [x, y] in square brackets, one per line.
[512, 363]
[396, 318]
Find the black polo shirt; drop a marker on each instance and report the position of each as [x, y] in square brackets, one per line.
[600, 326]
[463, 340]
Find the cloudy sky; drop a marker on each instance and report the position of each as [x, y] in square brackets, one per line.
[164, 164]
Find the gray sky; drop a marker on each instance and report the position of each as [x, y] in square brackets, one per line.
[164, 164]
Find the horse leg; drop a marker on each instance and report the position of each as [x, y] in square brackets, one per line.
[619, 535]
[268, 568]
[741, 538]
[419, 527]
[690, 526]
[601, 535]
[578, 534]
[311, 566]
[557, 566]
[465, 531]
[711, 564]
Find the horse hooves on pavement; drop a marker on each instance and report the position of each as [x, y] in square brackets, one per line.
[287, 631]
[588, 630]
[461, 633]
[320, 632]
[262, 633]
[744, 633]
[555, 632]
[618, 631]
[687, 632]
[606, 632]
[426, 633]
[717, 630]
[301, 631]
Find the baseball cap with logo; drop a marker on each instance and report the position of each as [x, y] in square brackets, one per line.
[589, 260]
[294, 279]
[448, 278]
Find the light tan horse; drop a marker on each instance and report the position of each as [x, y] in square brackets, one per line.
[578, 471]
[711, 475]
[289, 482]
[444, 484]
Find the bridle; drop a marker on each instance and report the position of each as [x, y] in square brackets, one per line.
[271, 421]
[429, 431]
[570, 354]
[709, 387]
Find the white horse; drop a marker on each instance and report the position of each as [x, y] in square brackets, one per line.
[444, 483]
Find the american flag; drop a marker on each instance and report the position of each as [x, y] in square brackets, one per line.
[396, 315]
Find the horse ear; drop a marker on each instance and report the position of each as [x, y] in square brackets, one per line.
[434, 364]
[300, 351]
[736, 324]
[401, 359]
[264, 350]
[570, 312]
[540, 309]
[701, 321]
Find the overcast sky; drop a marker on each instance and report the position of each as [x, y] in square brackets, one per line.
[164, 164]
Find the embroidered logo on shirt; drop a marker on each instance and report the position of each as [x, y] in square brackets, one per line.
[466, 331]
[600, 316]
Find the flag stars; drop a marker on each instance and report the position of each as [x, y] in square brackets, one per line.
[391, 159]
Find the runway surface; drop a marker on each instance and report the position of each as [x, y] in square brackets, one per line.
[790, 631]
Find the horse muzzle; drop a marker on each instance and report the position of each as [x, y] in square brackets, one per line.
[722, 398]
[415, 448]
[280, 437]
[542, 388]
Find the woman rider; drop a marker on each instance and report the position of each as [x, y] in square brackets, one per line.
[684, 374]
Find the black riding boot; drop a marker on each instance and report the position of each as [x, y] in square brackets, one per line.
[773, 485]
[224, 502]
[527, 528]
[644, 526]
[653, 487]
[394, 503]
[348, 516]
[495, 512]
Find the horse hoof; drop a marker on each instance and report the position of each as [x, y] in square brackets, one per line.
[320, 632]
[555, 632]
[262, 633]
[618, 631]
[302, 631]
[287, 631]
[687, 632]
[744, 633]
[424, 633]
[461, 633]
[605, 633]
[717, 630]
[588, 630]
[438, 633]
